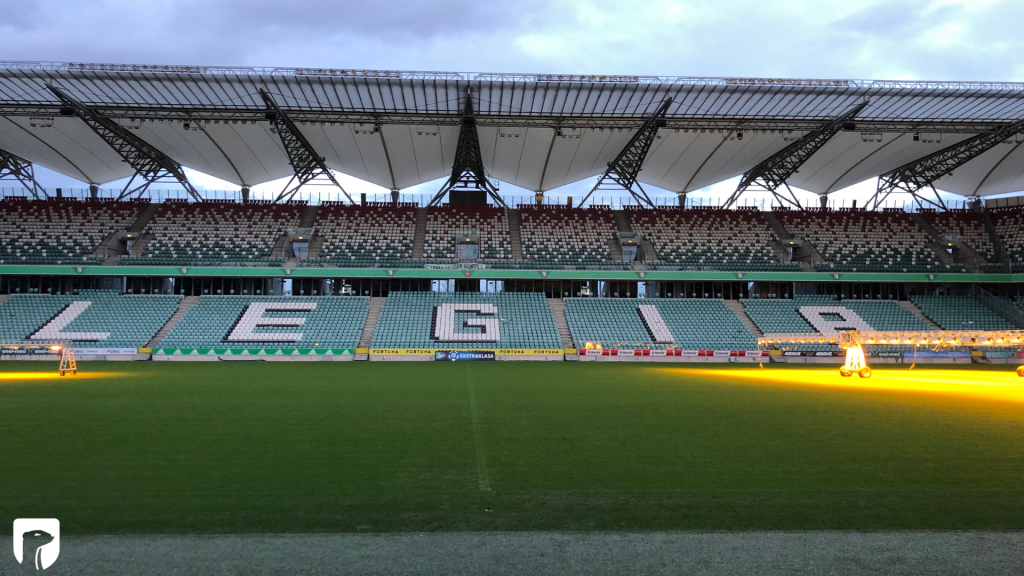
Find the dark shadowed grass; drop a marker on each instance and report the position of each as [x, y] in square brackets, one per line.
[327, 447]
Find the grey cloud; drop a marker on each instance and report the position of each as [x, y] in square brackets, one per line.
[404, 22]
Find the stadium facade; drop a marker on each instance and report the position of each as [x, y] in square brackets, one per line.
[287, 278]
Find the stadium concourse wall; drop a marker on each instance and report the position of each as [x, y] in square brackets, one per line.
[501, 274]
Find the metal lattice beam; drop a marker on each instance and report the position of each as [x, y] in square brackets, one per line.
[12, 166]
[468, 169]
[149, 163]
[773, 173]
[915, 176]
[622, 172]
[306, 163]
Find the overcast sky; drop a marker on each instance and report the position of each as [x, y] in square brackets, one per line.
[917, 39]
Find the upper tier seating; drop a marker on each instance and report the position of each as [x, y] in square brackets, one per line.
[967, 225]
[494, 321]
[1009, 225]
[960, 313]
[234, 322]
[378, 234]
[783, 316]
[445, 224]
[566, 236]
[862, 241]
[709, 238]
[216, 233]
[93, 318]
[59, 231]
[686, 324]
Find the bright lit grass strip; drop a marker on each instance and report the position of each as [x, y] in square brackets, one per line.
[1002, 386]
[30, 376]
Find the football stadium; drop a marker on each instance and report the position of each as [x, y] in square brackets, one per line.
[228, 362]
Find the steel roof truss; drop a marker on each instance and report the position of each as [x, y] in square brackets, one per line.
[622, 172]
[773, 172]
[306, 163]
[920, 174]
[149, 163]
[468, 169]
[20, 169]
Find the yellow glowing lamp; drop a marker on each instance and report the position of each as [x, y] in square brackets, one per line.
[55, 348]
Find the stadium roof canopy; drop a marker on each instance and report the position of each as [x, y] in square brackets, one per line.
[539, 132]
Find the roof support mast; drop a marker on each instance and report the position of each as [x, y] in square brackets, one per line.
[622, 172]
[772, 173]
[468, 169]
[21, 169]
[922, 173]
[149, 163]
[306, 163]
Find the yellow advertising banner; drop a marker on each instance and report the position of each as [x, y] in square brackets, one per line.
[431, 351]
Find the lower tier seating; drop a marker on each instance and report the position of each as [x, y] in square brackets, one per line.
[686, 324]
[960, 313]
[783, 316]
[466, 320]
[270, 321]
[91, 319]
[59, 231]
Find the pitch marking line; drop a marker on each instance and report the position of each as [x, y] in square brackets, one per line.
[481, 457]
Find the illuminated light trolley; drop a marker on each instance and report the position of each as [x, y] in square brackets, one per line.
[66, 350]
[853, 341]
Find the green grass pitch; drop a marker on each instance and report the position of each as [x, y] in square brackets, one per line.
[161, 447]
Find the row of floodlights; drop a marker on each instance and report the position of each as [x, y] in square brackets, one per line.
[786, 82]
[585, 78]
[136, 68]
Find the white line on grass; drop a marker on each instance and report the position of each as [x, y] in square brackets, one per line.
[481, 458]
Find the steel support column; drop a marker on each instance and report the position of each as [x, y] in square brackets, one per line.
[622, 172]
[306, 163]
[468, 169]
[20, 169]
[772, 173]
[915, 176]
[149, 163]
